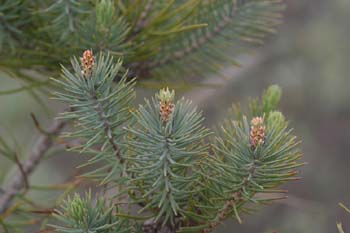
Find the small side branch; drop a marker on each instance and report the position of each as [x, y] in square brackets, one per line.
[42, 145]
[21, 169]
[142, 68]
[107, 128]
[235, 199]
[152, 226]
[199, 42]
[141, 22]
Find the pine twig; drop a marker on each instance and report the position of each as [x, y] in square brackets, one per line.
[236, 198]
[42, 145]
[37, 124]
[24, 175]
[107, 128]
[196, 44]
[152, 226]
[143, 17]
[142, 68]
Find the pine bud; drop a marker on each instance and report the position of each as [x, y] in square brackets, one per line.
[274, 119]
[77, 209]
[166, 103]
[87, 63]
[271, 98]
[257, 132]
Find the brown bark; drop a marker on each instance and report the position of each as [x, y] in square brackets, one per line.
[18, 181]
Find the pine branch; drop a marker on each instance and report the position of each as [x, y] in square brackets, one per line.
[13, 17]
[248, 158]
[169, 171]
[231, 204]
[155, 37]
[143, 17]
[100, 108]
[230, 24]
[64, 17]
[196, 44]
[80, 215]
[223, 214]
[153, 226]
[107, 126]
[17, 182]
[167, 144]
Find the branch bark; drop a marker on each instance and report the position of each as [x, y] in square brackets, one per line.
[42, 145]
[152, 226]
[141, 22]
[230, 204]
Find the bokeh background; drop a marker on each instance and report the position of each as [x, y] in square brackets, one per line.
[309, 58]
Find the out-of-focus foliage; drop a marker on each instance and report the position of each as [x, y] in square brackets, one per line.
[339, 224]
[13, 19]
[155, 38]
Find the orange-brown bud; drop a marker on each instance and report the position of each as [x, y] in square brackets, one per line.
[87, 63]
[166, 104]
[257, 132]
[165, 110]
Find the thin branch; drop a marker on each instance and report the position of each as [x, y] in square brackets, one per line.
[42, 145]
[37, 124]
[139, 68]
[24, 175]
[141, 22]
[107, 128]
[194, 46]
[111, 139]
[235, 199]
[198, 43]
[152, 226]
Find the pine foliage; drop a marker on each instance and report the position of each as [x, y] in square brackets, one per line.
[165, 157]
[81, 215]
[169, 166]
[64, 16]
[155, 38]
[171, 172]
[12, 20]
[243, 171]
[164, 169]
[99, 109]
[229, 24]
[249, 159]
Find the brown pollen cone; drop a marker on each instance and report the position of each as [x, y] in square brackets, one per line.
[257, 132]
[165, 110]
[166, 103]
[87, 63]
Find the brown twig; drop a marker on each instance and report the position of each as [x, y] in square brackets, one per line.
[24, 175]
[230, 204]
[42, 145]
[107, 128]
[152, 226]
[144, 67]
[37, 124]
[143, 17]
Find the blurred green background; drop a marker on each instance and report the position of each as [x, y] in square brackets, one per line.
[310, 59]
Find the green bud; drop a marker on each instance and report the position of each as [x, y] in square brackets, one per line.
[275, 118]
[77, 209]
[271, 98]
[165, 95]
